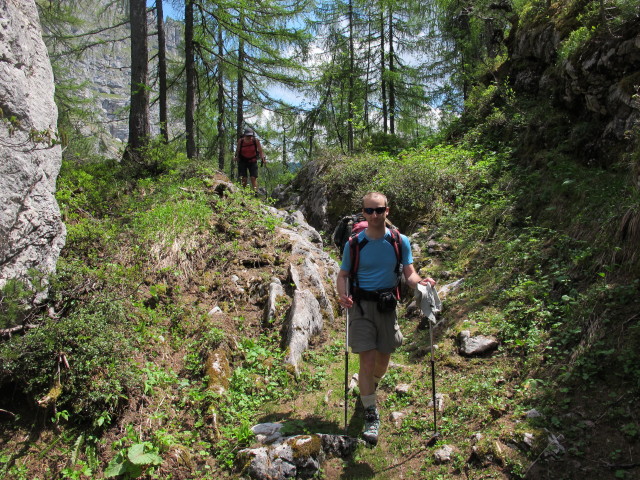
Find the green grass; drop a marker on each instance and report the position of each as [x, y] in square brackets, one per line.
[539, 246]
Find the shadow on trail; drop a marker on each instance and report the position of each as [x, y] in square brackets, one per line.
[312, 423]
[300, 425]
[24, 419]
[357, 470]
[356, 420]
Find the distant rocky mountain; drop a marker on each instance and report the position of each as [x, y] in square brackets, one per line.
[103, 69]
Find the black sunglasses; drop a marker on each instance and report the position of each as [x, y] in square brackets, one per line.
[378, 210]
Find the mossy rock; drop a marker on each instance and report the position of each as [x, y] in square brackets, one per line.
[304, 446]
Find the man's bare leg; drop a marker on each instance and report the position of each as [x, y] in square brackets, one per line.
[373, 365]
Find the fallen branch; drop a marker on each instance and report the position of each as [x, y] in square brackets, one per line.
[621, 466]
[6, 332]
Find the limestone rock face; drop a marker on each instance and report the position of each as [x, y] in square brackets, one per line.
[313, 201]
[31, 229]
[313, 273]
[598, 84]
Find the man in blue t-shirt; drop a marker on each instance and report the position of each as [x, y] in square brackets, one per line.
[374, 334]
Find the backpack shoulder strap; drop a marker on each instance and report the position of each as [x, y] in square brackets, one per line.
[396, 243]
[355, 246]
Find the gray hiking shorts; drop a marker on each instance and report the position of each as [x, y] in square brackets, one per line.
[373, 330]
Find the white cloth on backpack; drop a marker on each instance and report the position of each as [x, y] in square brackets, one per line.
[427, 298]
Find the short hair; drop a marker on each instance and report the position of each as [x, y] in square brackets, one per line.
[372, 195]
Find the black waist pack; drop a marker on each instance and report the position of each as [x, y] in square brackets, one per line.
[386, 301]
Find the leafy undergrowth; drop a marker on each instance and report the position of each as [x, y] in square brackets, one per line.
[550, 269]
[112, 383]
[109, 379]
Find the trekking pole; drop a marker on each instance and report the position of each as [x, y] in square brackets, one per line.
[435, 435]
[346, 361]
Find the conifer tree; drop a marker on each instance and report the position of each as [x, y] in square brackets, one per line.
[382, 48]
[190, 69]
[338, 90]
[162, 72]
[463, 36]
[248, 49]
[69, 35]
[220, 101]
[139, 127]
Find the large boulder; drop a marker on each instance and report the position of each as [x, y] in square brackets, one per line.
[313, 275]
[31, 229]
[299, 456]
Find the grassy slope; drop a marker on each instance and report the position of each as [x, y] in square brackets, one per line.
[145, 262]
[548, 271]
[548, 251]
[160, 254]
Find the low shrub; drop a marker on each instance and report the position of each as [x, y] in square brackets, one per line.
[80, 363]
[415, 181]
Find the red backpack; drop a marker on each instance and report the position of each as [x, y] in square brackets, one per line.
[249, 151]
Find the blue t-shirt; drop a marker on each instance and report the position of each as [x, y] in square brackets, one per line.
[377, 261]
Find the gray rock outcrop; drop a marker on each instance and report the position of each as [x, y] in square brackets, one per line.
[313, 273]
[305, 321]
[299, 456]
[275, 291]
[31, 229]
[313, 201]
[598, 82]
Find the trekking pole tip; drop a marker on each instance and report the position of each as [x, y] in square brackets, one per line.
[433, 439]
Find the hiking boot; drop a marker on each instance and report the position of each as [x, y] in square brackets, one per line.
[371, 425]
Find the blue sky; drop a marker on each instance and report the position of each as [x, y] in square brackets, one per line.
[168, 9]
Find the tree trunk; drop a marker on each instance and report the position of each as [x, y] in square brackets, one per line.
[351, 75]
[222, 136]
[383, 82]
[139, 128]
[370, 56]
[190, 68]
[162, 73]
[392, 89]
[240, 85]
[465, 27]
[284, 143]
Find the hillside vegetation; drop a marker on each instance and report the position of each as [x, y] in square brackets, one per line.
[109, 377]
[547, 253]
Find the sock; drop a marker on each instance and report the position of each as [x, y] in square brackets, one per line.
[368, 400]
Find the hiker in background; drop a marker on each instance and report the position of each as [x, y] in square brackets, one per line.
[248, 150]
[350, 225]
[373, 294]
[347, 226]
